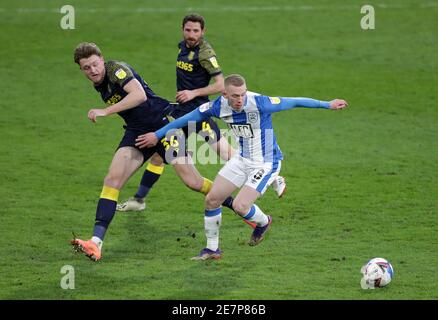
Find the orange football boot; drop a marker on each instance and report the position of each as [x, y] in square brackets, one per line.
[88, 247]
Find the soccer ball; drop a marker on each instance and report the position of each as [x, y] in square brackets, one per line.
[377, 273]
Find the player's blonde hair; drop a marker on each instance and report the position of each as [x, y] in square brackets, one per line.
[234, 80]
[85, 50]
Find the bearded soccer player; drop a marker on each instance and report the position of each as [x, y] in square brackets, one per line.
[256, 164]
[196, 67]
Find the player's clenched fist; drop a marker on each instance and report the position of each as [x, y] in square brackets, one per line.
[94, 113]
[338, 104]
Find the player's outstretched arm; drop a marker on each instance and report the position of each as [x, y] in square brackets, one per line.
[151, 139]
[276, 104]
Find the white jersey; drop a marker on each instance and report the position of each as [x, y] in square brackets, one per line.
[252, 126]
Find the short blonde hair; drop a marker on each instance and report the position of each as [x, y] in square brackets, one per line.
[234, 80]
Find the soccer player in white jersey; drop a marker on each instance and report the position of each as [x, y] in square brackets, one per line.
[256, 164]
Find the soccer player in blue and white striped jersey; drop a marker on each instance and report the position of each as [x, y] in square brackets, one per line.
[196, 66]
[257, 162]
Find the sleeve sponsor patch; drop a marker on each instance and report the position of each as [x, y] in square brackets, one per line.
[204, 107]
[214, 62]
[120, 74]
[275, 100]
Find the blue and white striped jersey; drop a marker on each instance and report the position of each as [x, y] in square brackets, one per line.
[252, 126]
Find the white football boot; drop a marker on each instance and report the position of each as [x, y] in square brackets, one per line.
[279, 186]
[132, 204]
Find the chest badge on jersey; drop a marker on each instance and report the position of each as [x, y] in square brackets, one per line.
[191, 55]
[253, 117]
[120, 74]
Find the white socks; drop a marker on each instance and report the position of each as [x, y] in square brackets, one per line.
[256, 215]
[212, 224]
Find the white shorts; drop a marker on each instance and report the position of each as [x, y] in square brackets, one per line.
[257, 175]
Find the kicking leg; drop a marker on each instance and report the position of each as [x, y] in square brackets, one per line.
[244, 205]
[125, 162]
[193, 179]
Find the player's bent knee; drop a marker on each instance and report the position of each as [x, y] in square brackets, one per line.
[156, 160]
[113, 181]
[211, 201]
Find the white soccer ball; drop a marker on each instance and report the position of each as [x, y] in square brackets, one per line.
[377, 273]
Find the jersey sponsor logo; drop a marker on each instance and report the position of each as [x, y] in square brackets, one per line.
[214, 62]
[114, 99]
[252, 117]
[191, 55]
[242, 130]
[120, 74]
[275, 100]
[184, 66]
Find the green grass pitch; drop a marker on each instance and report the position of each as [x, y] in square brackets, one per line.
[362, 182]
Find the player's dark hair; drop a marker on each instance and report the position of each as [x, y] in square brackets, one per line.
[193, 17]
[85, 50]
[235, 80]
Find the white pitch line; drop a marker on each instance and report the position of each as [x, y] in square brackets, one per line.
[221, 9]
